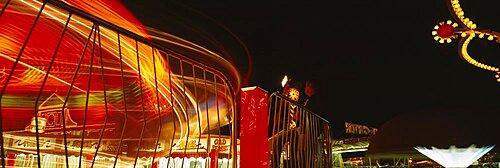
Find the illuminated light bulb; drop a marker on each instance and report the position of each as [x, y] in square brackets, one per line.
[448, 40]
[469, 24]
[490, 38]
[441, 41]
[466, 20]
[436, 27]
[463, 34]
[434, 33]
[436, 38]
[455, 25]
[473, 26]
[461, 13]
[284, 81]
[481, 35]
[498, 80]
[448, 22]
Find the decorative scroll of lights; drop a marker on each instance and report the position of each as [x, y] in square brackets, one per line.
[293, 94]
[468, 30]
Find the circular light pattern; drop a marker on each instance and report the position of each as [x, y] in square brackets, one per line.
[293, 94]
[444, 31]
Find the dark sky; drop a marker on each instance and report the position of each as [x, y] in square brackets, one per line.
[369, 60]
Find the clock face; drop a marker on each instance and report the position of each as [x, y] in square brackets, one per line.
[293, 94]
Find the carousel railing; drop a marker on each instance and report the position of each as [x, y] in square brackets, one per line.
[139, 103]
[298, 136]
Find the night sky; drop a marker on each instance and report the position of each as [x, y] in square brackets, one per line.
[368, 60]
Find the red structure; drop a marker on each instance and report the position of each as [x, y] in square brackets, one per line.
[254, 128]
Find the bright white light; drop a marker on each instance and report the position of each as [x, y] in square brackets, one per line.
[455, 157]
[284, 81]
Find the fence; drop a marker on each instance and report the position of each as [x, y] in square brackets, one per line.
[298, 137]
[79, 91]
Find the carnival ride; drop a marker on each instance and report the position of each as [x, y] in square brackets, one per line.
[82, 88]
[446, 31]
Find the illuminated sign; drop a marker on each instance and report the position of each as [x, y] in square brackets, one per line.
[50, 115]
[30, 143]
[41, 125]
[351, 128]
[191, 144]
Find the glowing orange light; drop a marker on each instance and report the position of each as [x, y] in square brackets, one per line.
[444, 32]
[293, 94]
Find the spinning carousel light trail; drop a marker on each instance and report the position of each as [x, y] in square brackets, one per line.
[147, 69]
[156, 74]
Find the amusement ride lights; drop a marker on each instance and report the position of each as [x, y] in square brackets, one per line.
[130, 51]
[446, 31]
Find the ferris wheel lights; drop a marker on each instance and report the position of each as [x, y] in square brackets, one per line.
[436, 27]
[463, 34]
[436, 38]
[448, 40]
[473, 26]
[481, 35]
[448, 22]
[441, 41]
[434, 33]
[461, 13]
[455, 25]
